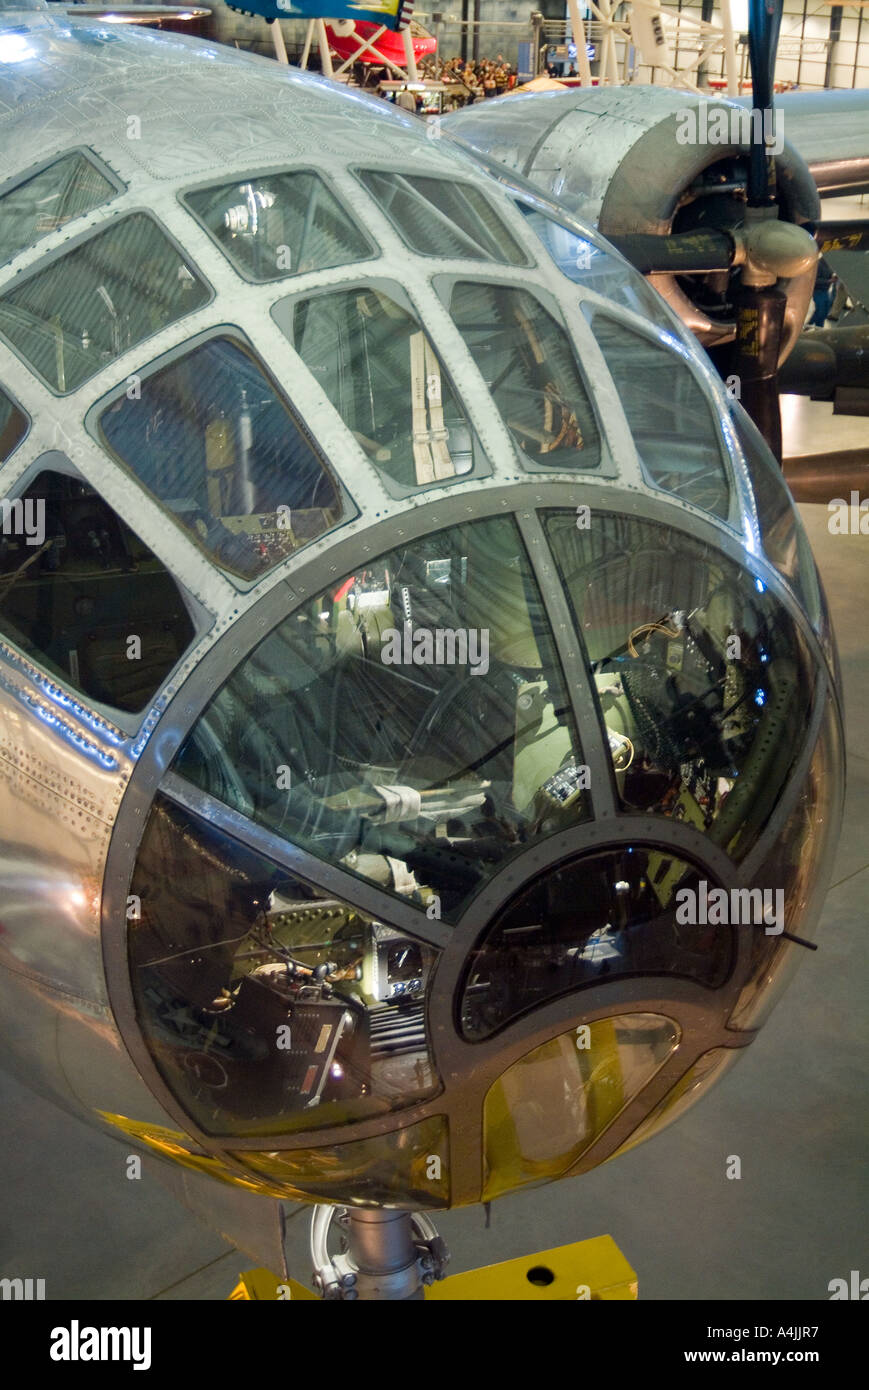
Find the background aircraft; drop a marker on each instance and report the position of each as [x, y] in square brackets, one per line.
[361, 42]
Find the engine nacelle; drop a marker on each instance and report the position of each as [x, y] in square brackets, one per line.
[654, 161]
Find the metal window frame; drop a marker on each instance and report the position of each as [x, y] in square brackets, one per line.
[26, 417]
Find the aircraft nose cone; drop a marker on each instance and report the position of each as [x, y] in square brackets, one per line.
[464, 801]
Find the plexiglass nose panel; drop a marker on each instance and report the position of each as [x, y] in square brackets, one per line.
[279, 224]
[548, 1107]
[784, 537]
[599, 917]
[384, 375]
[410, 724]
[267, 1006]
[696, 664]
[213, 438]
[670, 415]
[531, 370]
[594, 265]
[440, 217]
[798, 867]
[406, 1168]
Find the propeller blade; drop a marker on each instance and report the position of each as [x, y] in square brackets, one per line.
[841, 236]
[760, 316]
[760, 306]
[821, 479]
[825, 359]
[764, 22]
[682, 253]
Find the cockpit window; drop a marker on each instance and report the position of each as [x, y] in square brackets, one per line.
[277, 225]
[98, 300]
[13, 426]
[46, 201]
[529, 366]
[386, 379]
[598, 268]
[439, 217]
[267, 1005]
[670, 416]
[83, 596]
[601, 916]
[214, 440]
[702, 676]
[410, 724]
[781, 528]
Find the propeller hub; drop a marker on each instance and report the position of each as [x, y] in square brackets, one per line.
[773, 250]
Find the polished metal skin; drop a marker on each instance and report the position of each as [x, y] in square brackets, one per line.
[78, 782]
